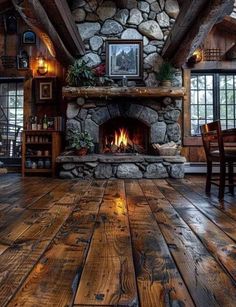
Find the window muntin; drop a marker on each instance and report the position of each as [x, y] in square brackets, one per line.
[213, 97]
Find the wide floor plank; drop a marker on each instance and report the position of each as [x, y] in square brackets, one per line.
[108, 276]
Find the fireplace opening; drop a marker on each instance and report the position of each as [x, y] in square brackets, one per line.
[124, 135]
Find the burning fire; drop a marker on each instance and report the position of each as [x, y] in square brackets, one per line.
[121, 137]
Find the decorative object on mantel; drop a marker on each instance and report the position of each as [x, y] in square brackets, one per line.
[79, 74]
[80, 141]
[111, 91]
[196, 57]
[101, 78]
[124, 58]
[167, 149]
[165, 74]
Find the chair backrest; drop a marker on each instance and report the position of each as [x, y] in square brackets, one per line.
[212, 139]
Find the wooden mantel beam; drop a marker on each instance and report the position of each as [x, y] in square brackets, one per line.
[60, 15]
[71, 93]
[35, 16]
[194, 22]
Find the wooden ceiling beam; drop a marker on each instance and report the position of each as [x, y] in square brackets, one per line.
[195, 20]
[35, 16]
[60, 15]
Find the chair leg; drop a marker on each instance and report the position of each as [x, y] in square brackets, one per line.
[222, 181]
[231, 177]
[209, 174]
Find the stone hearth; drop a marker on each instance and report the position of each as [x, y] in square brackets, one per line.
[121, 166]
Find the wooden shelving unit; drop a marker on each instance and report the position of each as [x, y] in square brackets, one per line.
[34, 141]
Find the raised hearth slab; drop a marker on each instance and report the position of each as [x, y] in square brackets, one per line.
[120, 166]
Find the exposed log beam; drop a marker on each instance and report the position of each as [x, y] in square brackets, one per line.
[35, 16]
[195, 20]
[60, 15]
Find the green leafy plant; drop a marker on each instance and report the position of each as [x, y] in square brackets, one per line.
[79, 74]
[166, 71]
[78, 139]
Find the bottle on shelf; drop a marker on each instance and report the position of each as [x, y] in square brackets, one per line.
[34, 122]
[45, 122]
[39, 126]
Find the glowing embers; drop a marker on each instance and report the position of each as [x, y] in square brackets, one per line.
[122, 142]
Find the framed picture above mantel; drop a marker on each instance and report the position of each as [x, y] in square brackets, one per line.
[45, 90]
[124, 58]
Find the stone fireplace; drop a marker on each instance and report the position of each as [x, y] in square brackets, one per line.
[123, 130]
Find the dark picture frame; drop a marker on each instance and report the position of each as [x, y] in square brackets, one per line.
[29, 38]
[124, 58]
[45, 89]
[22, 60]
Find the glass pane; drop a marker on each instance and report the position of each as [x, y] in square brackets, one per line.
[201, 97]
[222, 111]
[230, 82]
[201, 82]
[230, 97]
[222, 82]
[209, 82]
[230, 111]
[209, 97]
[20, 89]
[194, 99]
[3, 88]
[12, 101]
[230, 124]
[12, 88]
[222, 97]
[19, 101]
[194, 82]
[210, 112]
[194, 112]
[223, 124]
[202, 113]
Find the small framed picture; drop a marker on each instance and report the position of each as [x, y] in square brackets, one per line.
[44, 90]
[23, 61]
[29, 37]
[124, 58]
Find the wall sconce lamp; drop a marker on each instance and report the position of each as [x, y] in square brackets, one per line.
[42, 66]
[196, 57]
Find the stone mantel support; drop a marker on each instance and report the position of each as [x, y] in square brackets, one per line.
[71, 93]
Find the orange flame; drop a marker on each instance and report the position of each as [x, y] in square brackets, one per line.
[121, 137]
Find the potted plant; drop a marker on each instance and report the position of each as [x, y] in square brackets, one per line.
[80, 141]
[165, 74]
[79, 74]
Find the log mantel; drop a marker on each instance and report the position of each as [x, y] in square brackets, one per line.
[112, 92]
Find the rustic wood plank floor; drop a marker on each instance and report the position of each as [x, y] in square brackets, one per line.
[115, 243]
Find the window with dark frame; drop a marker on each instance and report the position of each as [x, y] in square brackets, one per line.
[11, 117]
[213, 97]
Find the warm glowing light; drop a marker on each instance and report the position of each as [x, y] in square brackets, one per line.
[198, 55]
[121, 137]
[42, 65]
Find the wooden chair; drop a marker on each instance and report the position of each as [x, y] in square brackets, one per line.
[216, 150]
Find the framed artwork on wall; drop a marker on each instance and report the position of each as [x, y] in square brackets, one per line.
[124, 58]
[29, 37]
[44, 90]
